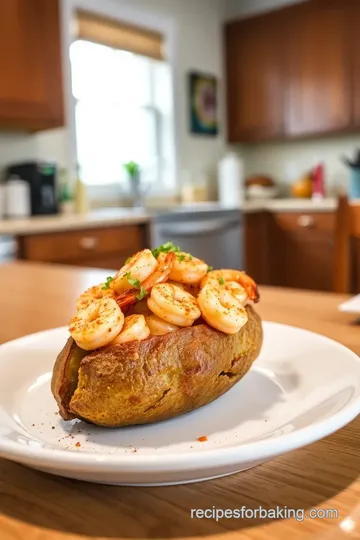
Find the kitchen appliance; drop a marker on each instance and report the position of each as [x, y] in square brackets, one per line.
[41, 178]
[212, 234]
[17, 198]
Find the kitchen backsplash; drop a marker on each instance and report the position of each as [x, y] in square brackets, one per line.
[286, 162]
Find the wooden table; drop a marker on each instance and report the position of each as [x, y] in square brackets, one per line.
[37, 506]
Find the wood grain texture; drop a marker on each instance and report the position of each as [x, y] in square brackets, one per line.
[255, 78]
[31, 89]
[106, 247]
[36, 506]
[318, 68]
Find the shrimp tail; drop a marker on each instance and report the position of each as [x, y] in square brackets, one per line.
[250, 286]
[160, 275]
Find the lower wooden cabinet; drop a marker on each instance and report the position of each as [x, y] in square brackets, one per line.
[291, 249]
[106, 247]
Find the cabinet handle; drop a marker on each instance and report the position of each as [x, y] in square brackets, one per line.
[306, 221]
[88, 242]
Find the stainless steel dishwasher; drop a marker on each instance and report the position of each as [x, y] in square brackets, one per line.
[216, 235]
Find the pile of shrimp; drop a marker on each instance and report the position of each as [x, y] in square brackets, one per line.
[157, 292]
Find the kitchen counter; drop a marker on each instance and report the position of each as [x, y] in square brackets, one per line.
[322, 475]
[96, 219]
[292, 205]
[127, 216]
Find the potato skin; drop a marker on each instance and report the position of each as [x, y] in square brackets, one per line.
[161, 377]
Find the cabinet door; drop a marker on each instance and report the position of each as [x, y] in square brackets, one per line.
[31, 84]
[318, 67]
[302, 254]
[354, 7]
[254, 67]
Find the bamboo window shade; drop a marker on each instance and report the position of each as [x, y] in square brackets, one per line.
[98, 29]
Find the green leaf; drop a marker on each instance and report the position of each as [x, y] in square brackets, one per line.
[181, 257]
[168, 247]
[107, 283]
[132, 168]
[133, 282]
[142, 293]
[209, 269]
[221, 281]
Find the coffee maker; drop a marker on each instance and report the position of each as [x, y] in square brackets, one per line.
[41, 177]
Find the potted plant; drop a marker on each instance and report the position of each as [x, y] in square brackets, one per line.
[133, 172]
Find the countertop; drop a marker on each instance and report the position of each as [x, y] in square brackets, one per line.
[323, 475]
[126, 216]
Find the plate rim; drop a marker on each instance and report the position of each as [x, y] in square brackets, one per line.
[260, 449]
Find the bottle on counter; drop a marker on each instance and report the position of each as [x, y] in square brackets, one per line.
[231, 191]
[318, 182]
[81, 196]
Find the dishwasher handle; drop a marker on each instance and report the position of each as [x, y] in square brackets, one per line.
[197, 228]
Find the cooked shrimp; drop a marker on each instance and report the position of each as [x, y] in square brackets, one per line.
[221, 309]
[93, 293]
[187, 269]
[138, 269]
[134, 329]
[223, 276]
[157, 326]
[97, 324]
[237, 290]
[159, 276]
[173, 304]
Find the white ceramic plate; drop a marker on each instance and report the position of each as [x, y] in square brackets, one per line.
[302, 387]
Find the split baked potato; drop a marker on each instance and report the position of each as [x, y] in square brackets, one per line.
[156, 377]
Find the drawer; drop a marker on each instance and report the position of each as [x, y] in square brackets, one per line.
[81, 245]
[319, 221]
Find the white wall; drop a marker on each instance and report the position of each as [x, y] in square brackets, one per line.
[194, 33]
[287, 162]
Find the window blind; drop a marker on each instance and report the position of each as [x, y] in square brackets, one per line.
[98, 29]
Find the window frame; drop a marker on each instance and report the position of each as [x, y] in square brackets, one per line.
[159, 186]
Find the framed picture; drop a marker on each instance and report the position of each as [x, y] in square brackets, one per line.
[203, 104]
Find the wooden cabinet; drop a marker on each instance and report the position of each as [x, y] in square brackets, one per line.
[255, 78]
[318, 68]
[294, 72]
[291, 249]
[31, 88]
[107, 247]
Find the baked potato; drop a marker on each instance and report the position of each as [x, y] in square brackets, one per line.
[146, 381]
[164, 336]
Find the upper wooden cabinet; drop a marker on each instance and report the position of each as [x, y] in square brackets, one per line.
[294, 72]
[318, 68]
[31, 89]
[255, 77]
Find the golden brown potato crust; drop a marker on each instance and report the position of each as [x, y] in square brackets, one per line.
[161, 377]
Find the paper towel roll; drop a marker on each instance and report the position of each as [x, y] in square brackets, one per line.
[231, 181]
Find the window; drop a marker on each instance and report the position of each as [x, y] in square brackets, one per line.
[123, 112]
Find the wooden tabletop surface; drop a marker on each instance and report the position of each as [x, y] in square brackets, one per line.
[324, 475]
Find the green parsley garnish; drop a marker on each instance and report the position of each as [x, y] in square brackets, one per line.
[142, 293]
[107, 283]
[209, 269]
[190, 257]
[181, 257]
[168, 247]
[133, 282]
[221, 281]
